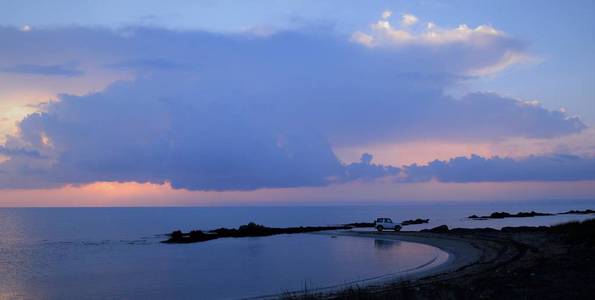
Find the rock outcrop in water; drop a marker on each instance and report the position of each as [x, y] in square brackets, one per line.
[248, 230]
[414, 222]
[502, 215]
[404, 223]
[578, 212]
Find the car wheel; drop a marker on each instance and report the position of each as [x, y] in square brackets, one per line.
[398, 228]
[379, 228]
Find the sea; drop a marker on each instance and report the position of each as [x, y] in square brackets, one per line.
[116, 252]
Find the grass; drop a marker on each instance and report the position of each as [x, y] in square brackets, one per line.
[576, 232]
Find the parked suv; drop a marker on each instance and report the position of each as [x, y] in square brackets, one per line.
[386, 223]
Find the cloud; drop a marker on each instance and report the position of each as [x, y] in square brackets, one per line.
[480, 51]
[408, 20]
[365, 170]
[258, 112]
[157, 132]
[148, 64]
[66, 70]
[12, 152]
[496, 169]
[386, 14]
[384, 94]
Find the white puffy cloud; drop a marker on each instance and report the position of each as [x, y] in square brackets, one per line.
[408, 19]
[501, 51]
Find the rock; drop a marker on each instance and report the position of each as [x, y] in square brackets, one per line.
[439, 229]
[472, 230]
[578, 212]
[249, 230]
[502, 215]
[416, 221]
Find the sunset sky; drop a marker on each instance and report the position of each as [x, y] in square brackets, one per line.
[113, 103]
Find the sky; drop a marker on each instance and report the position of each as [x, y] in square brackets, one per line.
[140, 103]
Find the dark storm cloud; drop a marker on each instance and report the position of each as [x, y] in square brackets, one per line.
[142, 132]
[259, 112]
[498, 169]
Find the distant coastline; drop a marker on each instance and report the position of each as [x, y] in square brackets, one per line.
[254, 230]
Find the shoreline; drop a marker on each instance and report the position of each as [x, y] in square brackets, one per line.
[450, 259]
[516, 262]
[461, 253]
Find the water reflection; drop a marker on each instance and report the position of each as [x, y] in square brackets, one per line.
[256, 266]
[386, 244]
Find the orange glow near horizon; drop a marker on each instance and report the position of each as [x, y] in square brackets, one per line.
[422, 152]
[149, 194]
[18, 99]
[419, 152]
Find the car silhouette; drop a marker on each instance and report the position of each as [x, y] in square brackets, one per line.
[386, 223]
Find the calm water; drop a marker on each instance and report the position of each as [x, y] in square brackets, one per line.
[102, 253]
